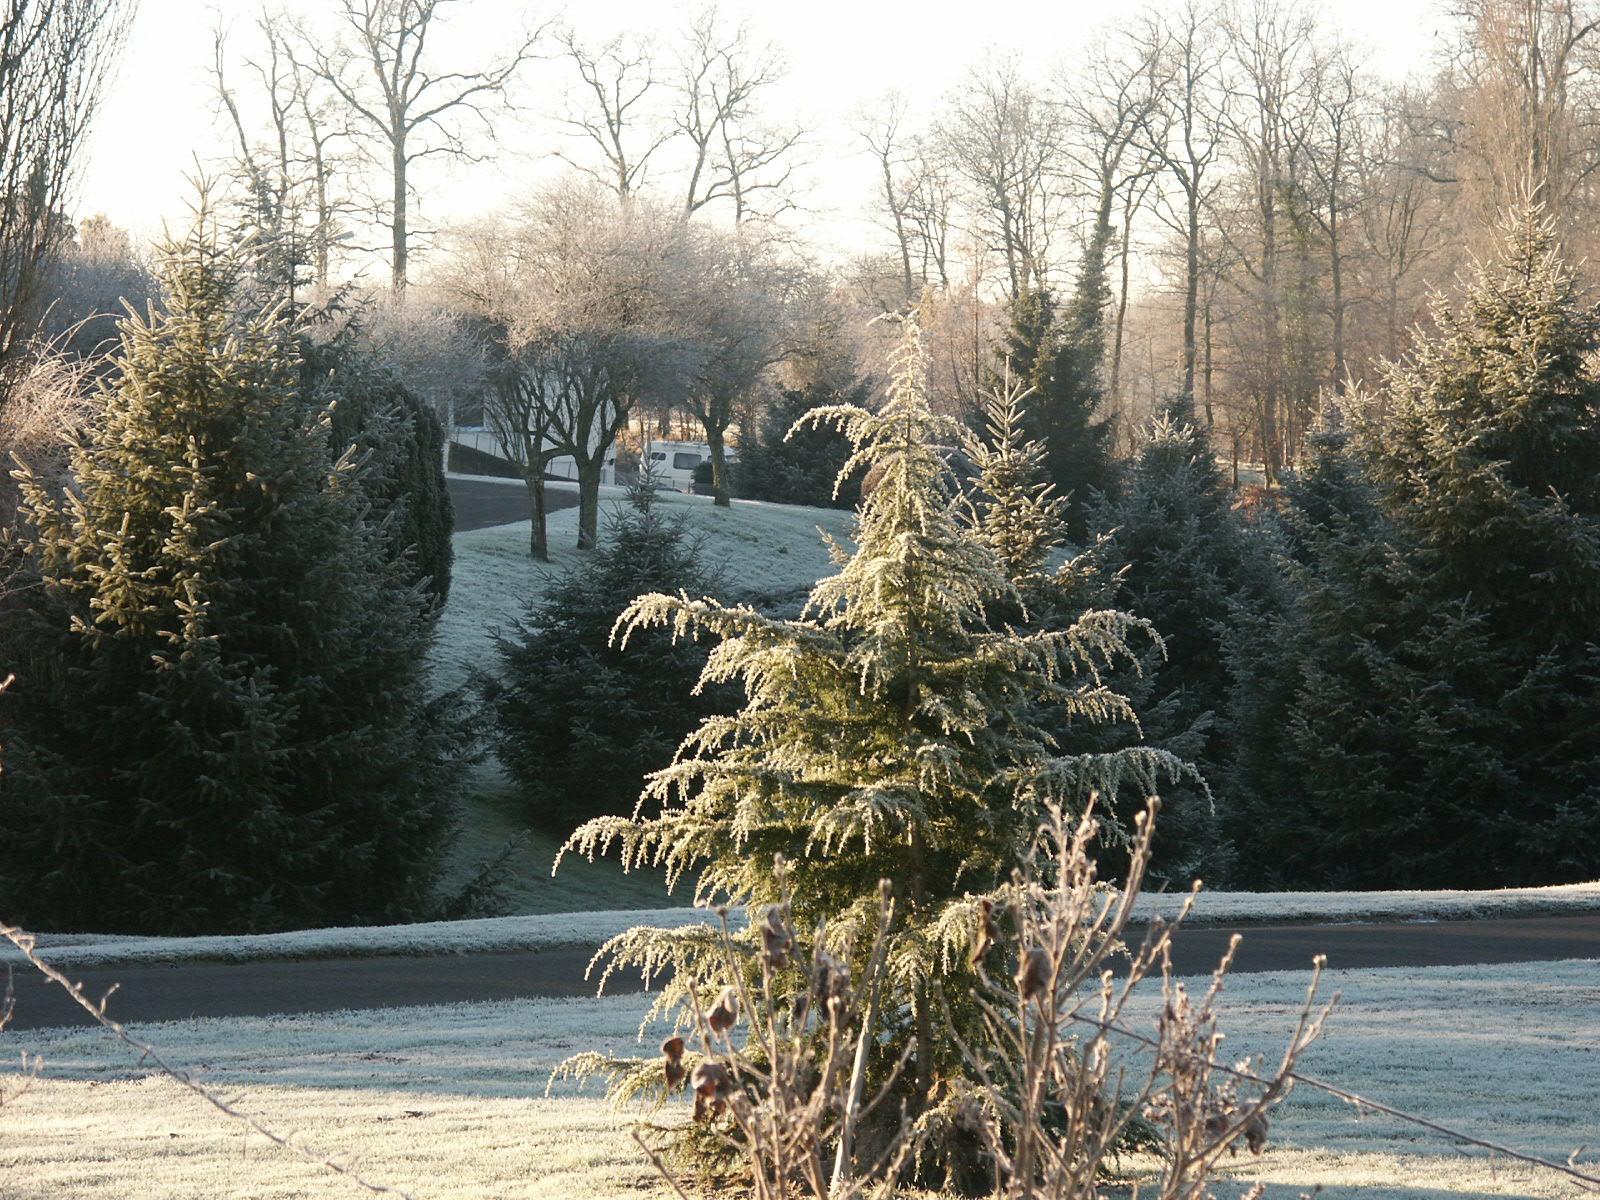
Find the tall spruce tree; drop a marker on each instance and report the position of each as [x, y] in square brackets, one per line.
[1060, 358]
[1486, 447]
[1447, 643]
[888, 733]
[242, 737]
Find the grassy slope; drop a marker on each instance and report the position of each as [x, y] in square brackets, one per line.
[763, 549]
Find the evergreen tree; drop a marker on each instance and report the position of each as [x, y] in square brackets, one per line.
[579, 722]
[1188, 563]
[1060, 360]
[241, 738]
[1486, 449]
[790, 463]
[1329, 493]
[1447, 676]
[1018, 515]
[1329, 518]
[887, 734]
[403, 441]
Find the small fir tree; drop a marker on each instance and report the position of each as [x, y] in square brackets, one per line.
[1017, 513]
[578, 723]
[888, 734]
[241, 738]
[1060, 358]
[789, 462]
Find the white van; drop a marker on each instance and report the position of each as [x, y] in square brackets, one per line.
[672, 464]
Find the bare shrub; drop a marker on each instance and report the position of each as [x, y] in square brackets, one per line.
[1058, 1088]
[1064, 1081]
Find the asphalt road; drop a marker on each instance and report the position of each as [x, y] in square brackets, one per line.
[160, 993]
[479, 505]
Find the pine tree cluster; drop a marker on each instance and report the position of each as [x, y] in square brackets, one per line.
[1427, 702]
[222, 718]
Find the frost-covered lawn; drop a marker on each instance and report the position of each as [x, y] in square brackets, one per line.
[758, 549]
[448, 1102]
[605, 882]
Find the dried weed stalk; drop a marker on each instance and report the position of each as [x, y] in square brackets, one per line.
[1062, 1083]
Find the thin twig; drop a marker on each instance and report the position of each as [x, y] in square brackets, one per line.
[27, 943]
[658, 1162]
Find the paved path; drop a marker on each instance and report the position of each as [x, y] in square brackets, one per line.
[148, 993]
[479, 504]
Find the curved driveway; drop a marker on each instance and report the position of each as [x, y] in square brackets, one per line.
[157, 993]
[480, 503]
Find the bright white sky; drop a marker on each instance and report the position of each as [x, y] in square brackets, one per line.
[841, 53]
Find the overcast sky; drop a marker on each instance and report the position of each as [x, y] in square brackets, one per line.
[160, 115]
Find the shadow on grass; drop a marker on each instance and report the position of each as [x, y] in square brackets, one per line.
[492, 816]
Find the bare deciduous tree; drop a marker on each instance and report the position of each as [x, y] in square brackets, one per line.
[733, 313]
[881, 131]
[402, 107]
[736, 156]
[438, 353]
[1401, 217]
[1531, 75]
[1269, 42]
[585, 292]
[1330, 150]
[1184, 133]
[610, 112]
[1006, 141]
[55, 56]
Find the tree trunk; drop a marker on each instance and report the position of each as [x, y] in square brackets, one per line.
[538, 533]
[324, 217]
[1122, 309]
[1191, 299]
[397, 225]
[1336, 271]
[588, 501]
[900, 235]
[1272, 330]
[719, 467]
